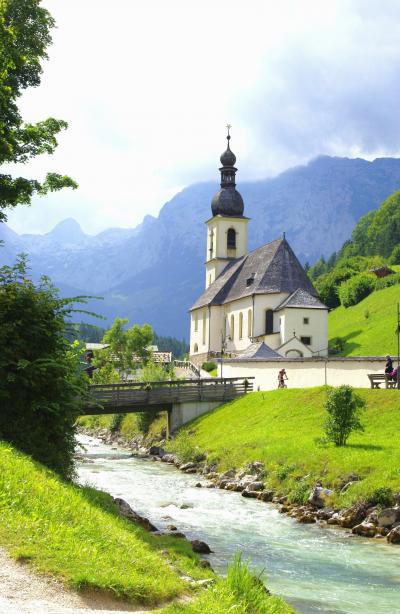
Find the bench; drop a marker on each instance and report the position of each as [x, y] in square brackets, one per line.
[377, 379]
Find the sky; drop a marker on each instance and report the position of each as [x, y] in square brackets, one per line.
[147, 87]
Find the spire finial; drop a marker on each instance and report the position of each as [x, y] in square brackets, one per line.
[284, 235]
[228, 126]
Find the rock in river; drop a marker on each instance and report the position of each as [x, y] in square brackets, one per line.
[200, 547]
[126, 511]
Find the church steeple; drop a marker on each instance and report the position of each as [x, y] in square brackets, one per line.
[227, 229]
[228, 201]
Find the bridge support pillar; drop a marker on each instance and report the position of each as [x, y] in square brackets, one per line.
[182, 413]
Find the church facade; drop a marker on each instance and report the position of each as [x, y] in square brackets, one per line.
[259, 304]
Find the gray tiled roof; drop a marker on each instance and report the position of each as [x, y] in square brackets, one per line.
[257, 351]
[273, 267]
[302, 298]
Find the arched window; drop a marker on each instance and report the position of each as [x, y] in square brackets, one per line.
[232, 327]
[196, 322]
[231, 239]
[195, 348]
[240, 325]
[269, 322]
[249, 324]
[204, 327]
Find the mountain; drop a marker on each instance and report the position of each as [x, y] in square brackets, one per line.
[155, 271]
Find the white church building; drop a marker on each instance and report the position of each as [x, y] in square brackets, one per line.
[258, 304]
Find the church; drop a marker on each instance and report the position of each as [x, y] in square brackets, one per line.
[259, 304]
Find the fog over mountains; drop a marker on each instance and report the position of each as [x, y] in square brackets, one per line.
[154, 272]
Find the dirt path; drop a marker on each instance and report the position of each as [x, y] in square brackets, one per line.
[23, 591]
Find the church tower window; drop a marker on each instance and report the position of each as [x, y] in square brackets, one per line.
[231, 239]
[204, 327]
[196, 322]
[232, 327]
[241, 325]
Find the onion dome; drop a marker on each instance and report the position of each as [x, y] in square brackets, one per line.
[228, 201]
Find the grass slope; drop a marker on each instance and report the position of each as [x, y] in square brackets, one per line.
[374, 335]
[280, 427]
[77, 534]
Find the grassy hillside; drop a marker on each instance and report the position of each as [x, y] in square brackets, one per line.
[75, 533]
[280, 427]
[368, 328]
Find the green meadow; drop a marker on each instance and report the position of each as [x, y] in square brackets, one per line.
[368, 328]
[284, 428]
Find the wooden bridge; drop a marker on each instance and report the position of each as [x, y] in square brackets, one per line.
[182, 399]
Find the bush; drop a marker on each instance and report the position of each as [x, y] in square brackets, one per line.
[344, 407]
[395, 255]
[381, 496]
[356, 289]
[208, 366]
[386, 282]
[336, 345]
[40, 382]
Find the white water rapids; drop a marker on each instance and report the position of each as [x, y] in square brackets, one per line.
[314, 568]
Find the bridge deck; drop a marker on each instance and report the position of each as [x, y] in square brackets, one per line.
[139, 396]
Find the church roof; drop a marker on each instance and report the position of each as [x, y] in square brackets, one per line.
[301, 298]
[257, 351]
[272, 268]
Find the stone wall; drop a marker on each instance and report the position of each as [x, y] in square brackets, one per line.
[307, 372]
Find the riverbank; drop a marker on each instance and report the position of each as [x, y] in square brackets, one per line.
[266, 445]
[76, 534]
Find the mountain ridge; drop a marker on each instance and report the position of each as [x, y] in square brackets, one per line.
[154, 272]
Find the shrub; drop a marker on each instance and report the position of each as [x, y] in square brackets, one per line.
[145, 419]
[356, 289]
[386, 282]
[40, 382]
[208, 366]
[116, 423]
[344, 407]
[395, 255]
[336, 345]
[382, 496]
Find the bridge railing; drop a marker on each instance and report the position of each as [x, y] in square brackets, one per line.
[188, 365]
[139, 396]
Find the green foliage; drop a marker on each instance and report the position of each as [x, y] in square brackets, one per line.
[386, 282]
[395, 255]
[382, 496]
[356, 289]
[40, 382]
[24, 37]
[171, 344]
[86, 333]
[77, 534]
[127, 346]
[184, 447]
[209, 366]
[116, 423]
[344, 407]
[105, 374]
[241, 591]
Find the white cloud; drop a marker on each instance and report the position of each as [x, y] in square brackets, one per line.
[147, 88]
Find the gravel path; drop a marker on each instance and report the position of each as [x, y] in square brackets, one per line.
[24, 592]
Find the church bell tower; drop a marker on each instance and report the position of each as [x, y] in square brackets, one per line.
[227, 229]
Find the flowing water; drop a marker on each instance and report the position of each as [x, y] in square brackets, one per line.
[315, 569]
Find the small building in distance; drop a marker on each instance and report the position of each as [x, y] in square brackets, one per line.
[252, 298]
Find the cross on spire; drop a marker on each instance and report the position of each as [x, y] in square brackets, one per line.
[228, 126]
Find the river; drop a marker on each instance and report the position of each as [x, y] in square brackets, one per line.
[316, 569]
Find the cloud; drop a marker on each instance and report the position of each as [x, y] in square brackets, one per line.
[147, 88]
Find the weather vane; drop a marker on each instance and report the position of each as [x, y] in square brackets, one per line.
[228, 127]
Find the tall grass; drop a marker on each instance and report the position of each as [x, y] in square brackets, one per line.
[241, 592]
[77, 534]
